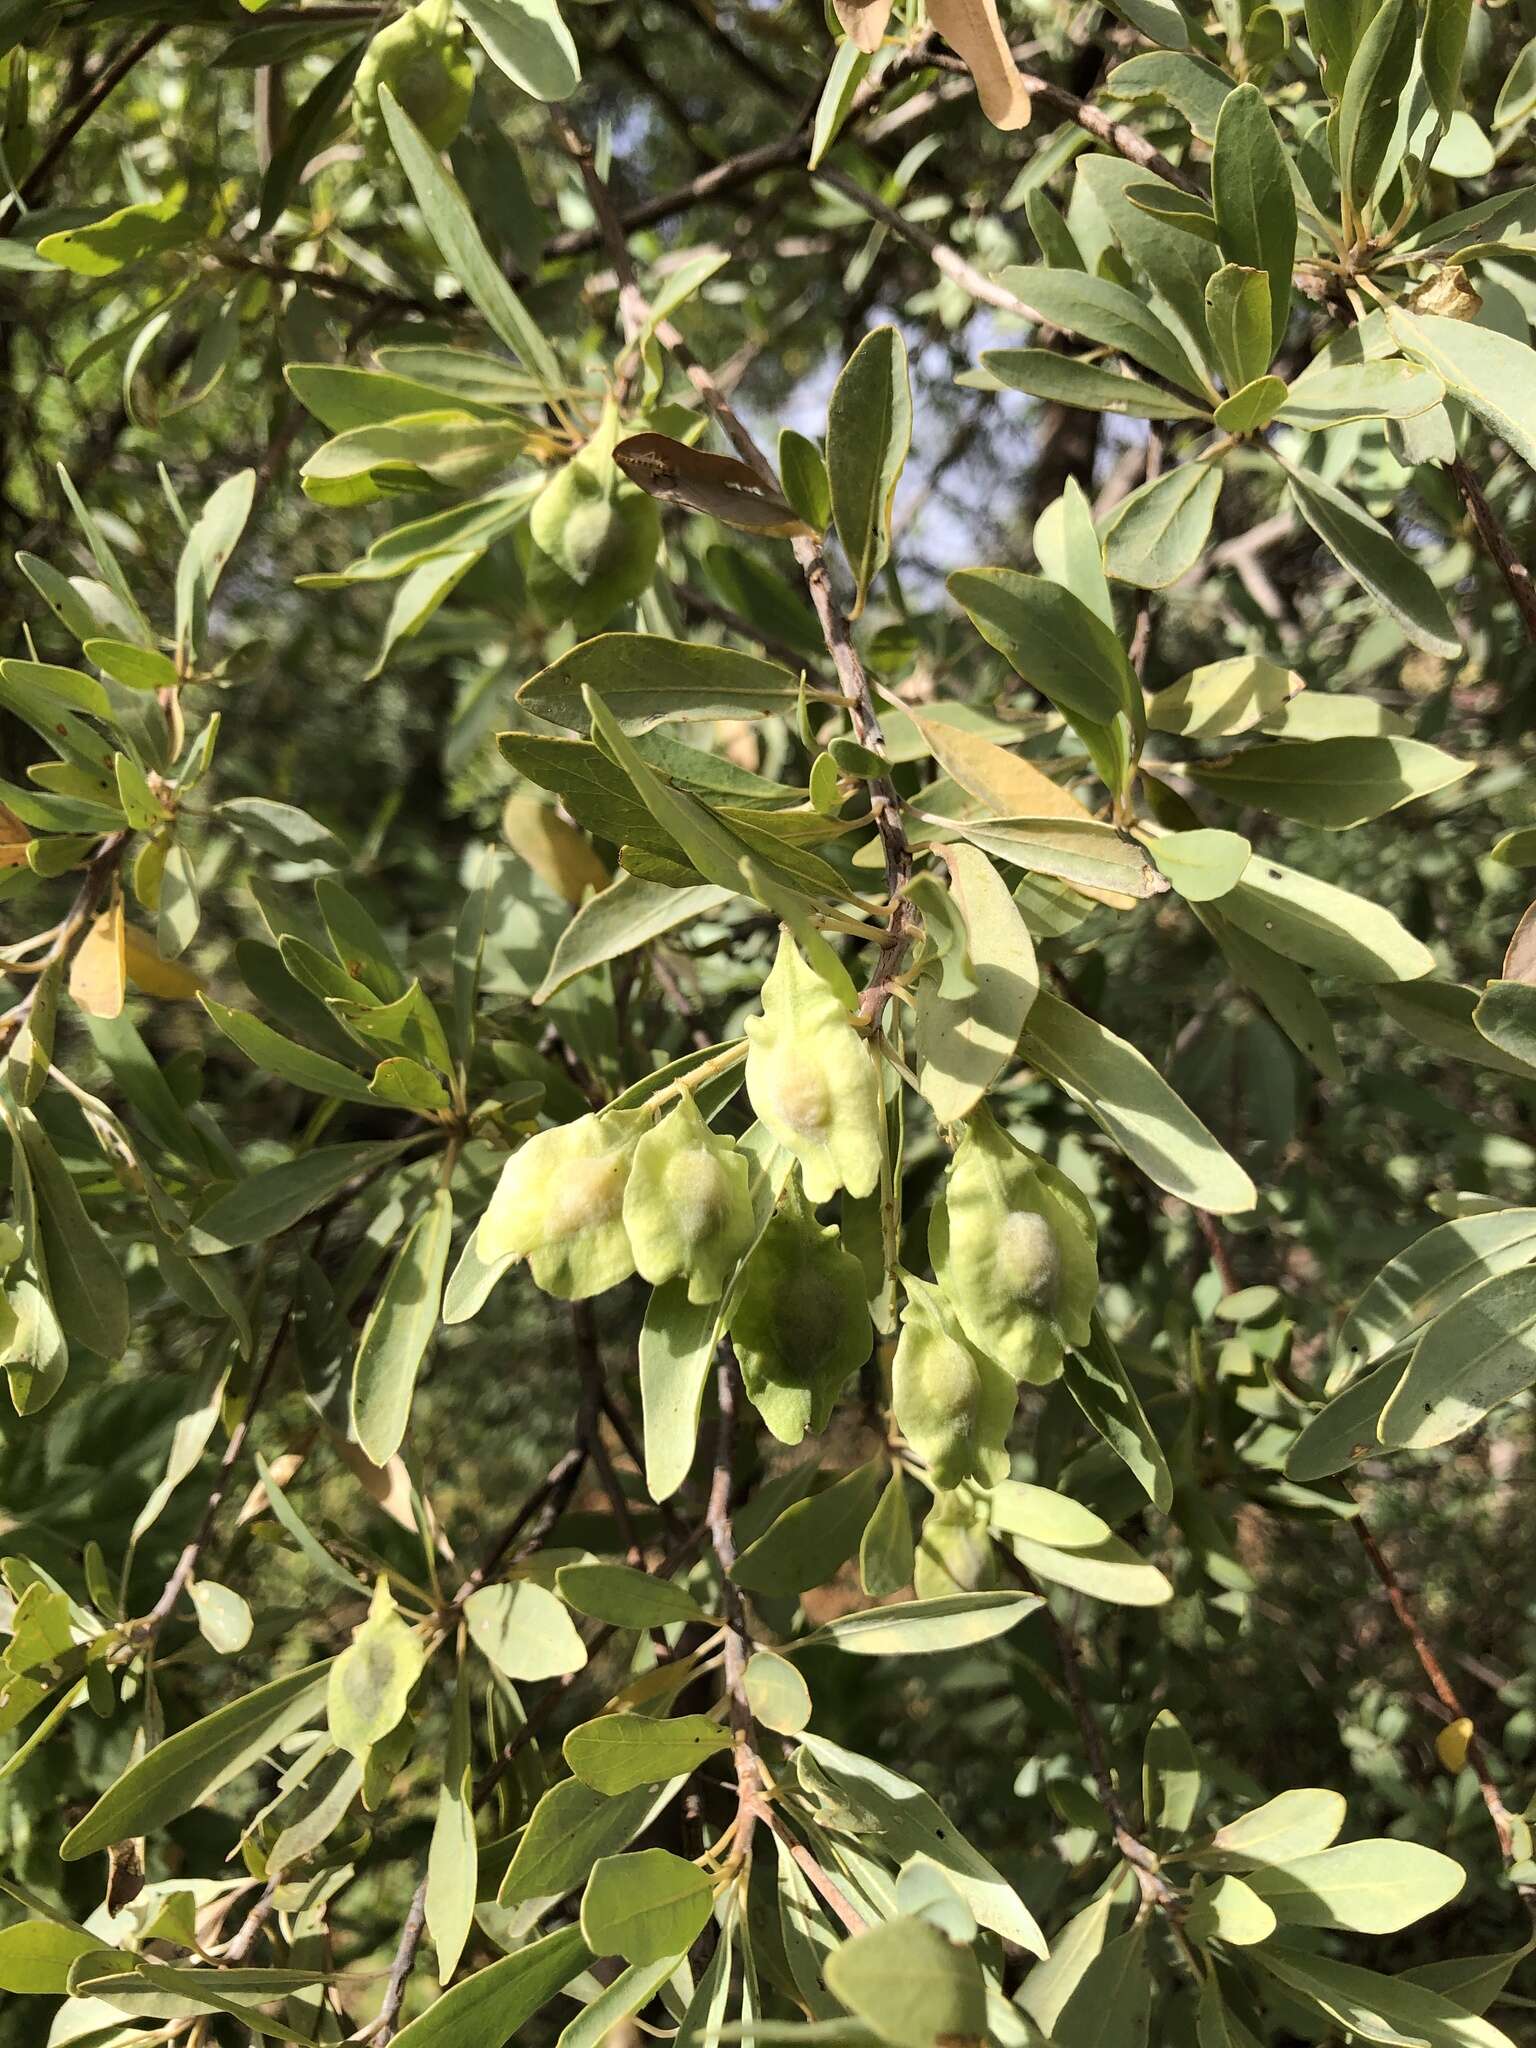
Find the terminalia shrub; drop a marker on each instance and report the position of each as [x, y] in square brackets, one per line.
[763, 784]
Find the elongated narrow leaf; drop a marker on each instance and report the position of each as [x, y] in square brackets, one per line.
[1251, 195]
[1063, 380]
[1376, 561]
[1106, 313]
[494, 2003]
[452, 226]
[869, 430]
[267, 1048]
[1477, 1353]
[398, 1331]
[1050, 638]
[528, 40]
[1335, 783]
[172, 1778]
[1123, 1091]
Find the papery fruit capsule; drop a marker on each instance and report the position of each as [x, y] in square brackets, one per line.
[955, 1553]
[688, 1204]
[812, 1080]
[1014, 1246]
[953, 1405]
[560, 1205]
[799, 1320]
[421, 57]
[592, 537]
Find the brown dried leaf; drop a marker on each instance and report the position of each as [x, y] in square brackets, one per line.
[863, 22]
[718, 485]
[973, 31]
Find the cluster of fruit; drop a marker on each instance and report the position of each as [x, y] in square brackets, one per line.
[1012, 1241]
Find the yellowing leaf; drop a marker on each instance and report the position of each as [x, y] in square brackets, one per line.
[557, 852]
[371, 1680]
[1453, 1742]
[153, 976]
[99, 970]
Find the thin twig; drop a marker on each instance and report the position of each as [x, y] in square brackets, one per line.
[1517, 577]
[749, 1771]
[101, 87]
[384, 2028]
[1444, 1691]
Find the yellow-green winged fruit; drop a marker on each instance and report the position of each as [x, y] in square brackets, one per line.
[1015, 1248]
[799, 1319]
[560, 1205]
[955, 1554]
[688, 1204]
[953, 1405]
[421, 57]
[592, 537]
[812, 1080]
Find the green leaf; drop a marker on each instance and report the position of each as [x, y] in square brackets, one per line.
[644, 1907]
[1364, 547]
[309, 1544]
[625, 1597]
[1293, 1824]
[1064, 380]
[1050, 638]
[1108, 314]
[886, 1549]
[1230, 1911]
[619, 920]
[493, 2004]
[1334, 783]
[35, 1956]
[1223, 698]
[566, 1833]
[909, 1824]
[275, 1198]
[1170, 1776]
[911, 1983]
[1332, 395]
[963, 1044]
[223, 1618]
[917, 1628]
[399, 1329]
[150, 227]
[1240, 318]
[1108, 1570]
[1492, 374]
[170, 1779]
[620, 1752]
[1432, 1273]
[451, 1856]
[1087, 852]
[85, 1283]
[1191, 85]
[1373, 1887]
[844, 78]
[1157, 534]
[1252, 199]
[529, 42]
[1099, 1384]
[1112, 2005]
[1124, 1093]
[677, 1349]
[269, 1050]
[451, 224]
[1368, 106]
[1506, 1017]
[1328, 929]
[1378, 2008]
[619, 2001]
[646, 681]
[371, 1681]
[869, 430]
[1345, 1430]
[1202, 864]
[1477, 1353]
[810, 1540]
[803, 473]
[777, 1694]
[524, 1631]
